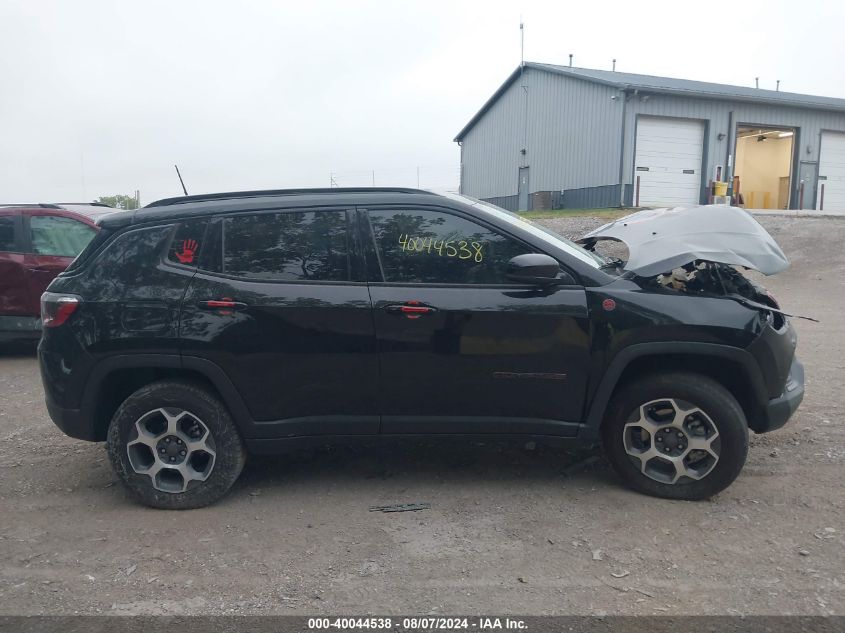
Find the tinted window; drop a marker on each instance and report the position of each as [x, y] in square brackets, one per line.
[187, 242]
[293, 246]
[62, 237]
[435, 247]
[7, 233]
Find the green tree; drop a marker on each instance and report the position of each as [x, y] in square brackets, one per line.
[119, 201]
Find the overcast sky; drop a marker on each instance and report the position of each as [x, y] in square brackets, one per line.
[100, 98]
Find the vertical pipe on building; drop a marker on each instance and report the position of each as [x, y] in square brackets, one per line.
[637, 200]
[801, 195]
[821, 198]
[731, 141]
[622, 148]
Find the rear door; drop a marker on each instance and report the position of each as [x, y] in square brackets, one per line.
[461, 349]
[14, 292]
[279, 303]
[54, 242]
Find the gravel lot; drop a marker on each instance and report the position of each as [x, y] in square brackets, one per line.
[510, 529]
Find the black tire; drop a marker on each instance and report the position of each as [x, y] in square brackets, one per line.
[229, 458]
[703, 392]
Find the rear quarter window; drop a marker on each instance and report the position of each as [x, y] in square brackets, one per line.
[188, 242]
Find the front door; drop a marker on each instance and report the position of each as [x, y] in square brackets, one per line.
[523, 189]
[274, 304]
[461, 349]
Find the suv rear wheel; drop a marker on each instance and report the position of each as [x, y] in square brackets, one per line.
[175, 446]
[676, 435]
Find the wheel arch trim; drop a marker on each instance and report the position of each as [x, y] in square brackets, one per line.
[617, 366]
[206, 368]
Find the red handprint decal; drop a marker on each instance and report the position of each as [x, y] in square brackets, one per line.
[189, 249]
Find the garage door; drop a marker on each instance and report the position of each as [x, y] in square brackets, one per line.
[668, 161]
[832, 172]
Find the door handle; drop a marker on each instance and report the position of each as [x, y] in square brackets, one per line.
[410, 309]
[225, 304]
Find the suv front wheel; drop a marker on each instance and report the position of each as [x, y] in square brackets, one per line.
[676, 435]
[175, 446]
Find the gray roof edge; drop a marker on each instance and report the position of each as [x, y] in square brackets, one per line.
[766, 96]
[728, 92]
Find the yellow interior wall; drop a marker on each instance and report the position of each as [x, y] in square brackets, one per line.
[760, 167]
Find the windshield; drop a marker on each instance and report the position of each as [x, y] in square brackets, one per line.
[532, 227]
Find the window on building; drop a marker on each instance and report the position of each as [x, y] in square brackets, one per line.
[428, 246]
[287, 246]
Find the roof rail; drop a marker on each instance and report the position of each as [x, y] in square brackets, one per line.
[86, 204]
[278, 192]
[30, 205]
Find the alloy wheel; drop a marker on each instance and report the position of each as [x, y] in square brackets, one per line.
[672, 441]
[173, 447]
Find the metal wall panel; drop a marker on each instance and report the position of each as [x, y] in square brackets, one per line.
[569, 128]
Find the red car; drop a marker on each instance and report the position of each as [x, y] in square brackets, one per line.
[37, 242]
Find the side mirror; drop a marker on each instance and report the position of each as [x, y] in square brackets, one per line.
[538, 269]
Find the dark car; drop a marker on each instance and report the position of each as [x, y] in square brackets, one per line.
[196, 329]
[37, 242]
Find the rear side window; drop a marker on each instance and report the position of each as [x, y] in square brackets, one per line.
[289, 246]
[58, 236]
[7, 233]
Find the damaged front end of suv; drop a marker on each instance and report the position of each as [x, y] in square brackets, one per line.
[696, 250]
[685, 268]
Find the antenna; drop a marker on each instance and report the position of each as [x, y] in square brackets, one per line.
[521, 43]
[180, 179]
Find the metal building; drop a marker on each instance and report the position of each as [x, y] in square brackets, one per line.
[563, 137]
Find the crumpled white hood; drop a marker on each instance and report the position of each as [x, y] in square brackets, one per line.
[660, 240]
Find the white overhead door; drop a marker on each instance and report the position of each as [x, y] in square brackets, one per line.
[668, 161]
[832, 172]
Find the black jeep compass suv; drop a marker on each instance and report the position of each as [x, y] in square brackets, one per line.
[197, 329]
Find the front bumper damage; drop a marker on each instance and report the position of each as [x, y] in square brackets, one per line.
[780, 409]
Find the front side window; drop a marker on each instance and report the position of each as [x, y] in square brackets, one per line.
[58, 236]
[428, 246]
[288, 246]
[7, 233]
